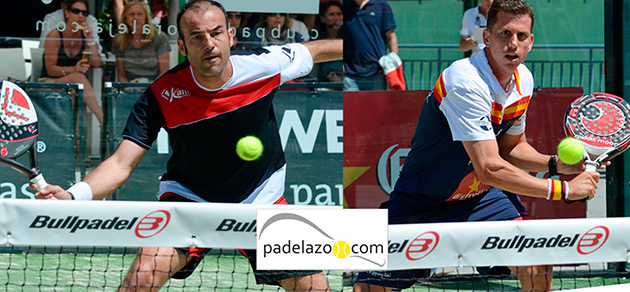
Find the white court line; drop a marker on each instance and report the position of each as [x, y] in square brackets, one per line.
[612, 288]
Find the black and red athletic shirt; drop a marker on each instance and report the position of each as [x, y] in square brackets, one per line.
[204, 124]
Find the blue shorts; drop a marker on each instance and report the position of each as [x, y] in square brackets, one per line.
[495, 205]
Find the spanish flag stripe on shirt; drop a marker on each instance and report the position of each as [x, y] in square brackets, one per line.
[517, 82]
[497, 113]
[517, 109]
[438, 91]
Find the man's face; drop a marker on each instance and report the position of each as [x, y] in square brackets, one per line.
[508, 42]
[206, 41]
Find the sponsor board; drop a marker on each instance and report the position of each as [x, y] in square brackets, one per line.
[322, 239]
[113, 223]
[530, 242]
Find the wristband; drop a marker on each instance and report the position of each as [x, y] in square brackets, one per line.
[92, 43]
[552, 165]
[557, 190]
[81, 191]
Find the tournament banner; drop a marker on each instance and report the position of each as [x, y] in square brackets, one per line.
[56, 148]
[509, 243]
[115, 223]
[338, 239]
[379, 125]
[311, 130]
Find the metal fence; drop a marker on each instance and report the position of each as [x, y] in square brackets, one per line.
[551, 65]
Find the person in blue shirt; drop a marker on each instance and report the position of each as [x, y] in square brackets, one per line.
[368, 33]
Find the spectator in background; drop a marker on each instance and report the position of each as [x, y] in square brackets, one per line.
[473, 23]
[66, 54]
[142, 50]
[274, 29]
[329, 25]
[368, 33]
[299, 26]
[235, 19]
[56, 20]
[159, 8]
[330, 20]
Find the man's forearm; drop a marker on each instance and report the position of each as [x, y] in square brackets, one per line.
[325, 50]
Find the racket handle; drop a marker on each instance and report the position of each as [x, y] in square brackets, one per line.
[39, 181]
[591, 166]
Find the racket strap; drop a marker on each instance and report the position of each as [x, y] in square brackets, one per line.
[557, 190]
[553, 165]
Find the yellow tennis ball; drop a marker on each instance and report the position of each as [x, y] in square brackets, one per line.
[341, 249]
[570, 150]
[249, 148]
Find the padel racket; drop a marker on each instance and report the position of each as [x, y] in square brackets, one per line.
[601, 121]
[19, 131]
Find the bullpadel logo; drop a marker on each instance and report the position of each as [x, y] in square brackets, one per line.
[322, 243]
[149, 226]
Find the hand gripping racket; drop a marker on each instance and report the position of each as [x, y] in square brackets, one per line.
[18, 131]
[601, 121]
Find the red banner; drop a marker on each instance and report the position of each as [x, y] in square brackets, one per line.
[379, 125]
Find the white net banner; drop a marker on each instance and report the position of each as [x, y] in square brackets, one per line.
[529, 242]
[129, 224]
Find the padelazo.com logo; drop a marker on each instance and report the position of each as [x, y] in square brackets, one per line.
[150, 225]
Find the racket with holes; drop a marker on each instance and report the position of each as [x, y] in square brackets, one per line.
[601, 121]
[18, 132]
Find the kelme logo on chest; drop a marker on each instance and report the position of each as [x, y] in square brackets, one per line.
[174, 93]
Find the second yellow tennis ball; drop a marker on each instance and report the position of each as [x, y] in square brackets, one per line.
[249, 148]
[570, 150]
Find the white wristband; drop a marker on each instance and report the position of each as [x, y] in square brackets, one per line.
[549, 182]
[81, 191]
[92, 43]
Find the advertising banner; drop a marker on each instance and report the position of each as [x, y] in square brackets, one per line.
[379, 125]
[114, 223]
[342, 239]
[509, 243]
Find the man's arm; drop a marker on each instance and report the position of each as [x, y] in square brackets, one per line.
[466, 43]
[107, 177]
[516, 150]
[493, 170]
[325, 50]
[392, 41]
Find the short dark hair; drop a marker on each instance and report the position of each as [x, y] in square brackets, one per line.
[514, 7]
[69, 3]
[194, 4]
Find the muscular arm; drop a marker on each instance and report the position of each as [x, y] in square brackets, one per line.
[115, 170]
[495, 168]
[392, 41]
[325, 50]
[516, 150]
[107, 177]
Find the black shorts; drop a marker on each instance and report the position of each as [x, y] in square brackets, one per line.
[262, 276]
[495, 205]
